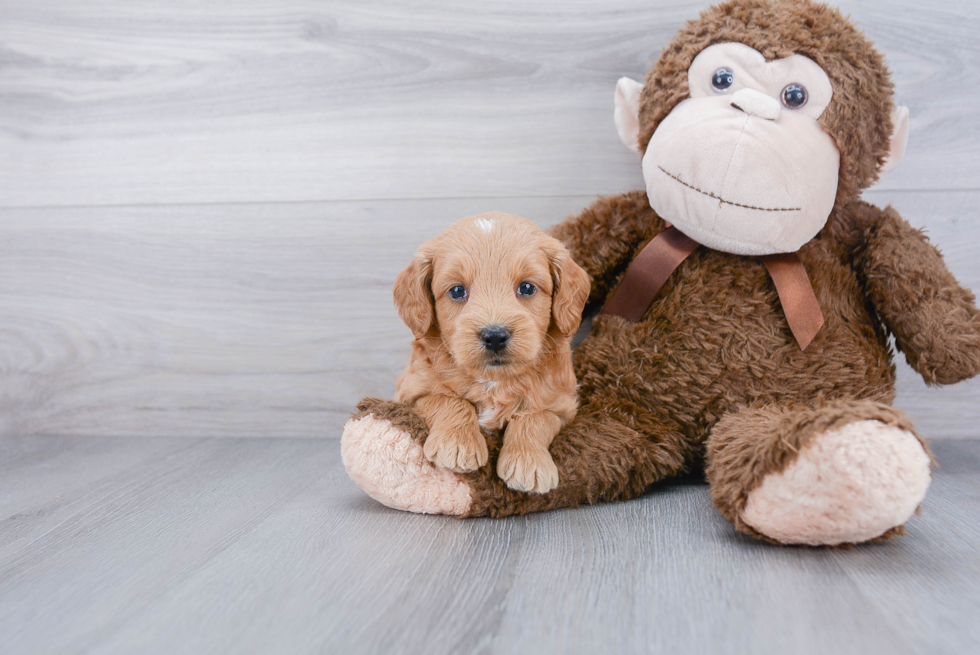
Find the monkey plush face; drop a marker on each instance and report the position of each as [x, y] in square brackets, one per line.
[748, 158]
[742, 165]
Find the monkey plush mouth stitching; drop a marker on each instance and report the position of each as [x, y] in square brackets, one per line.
[728, 202]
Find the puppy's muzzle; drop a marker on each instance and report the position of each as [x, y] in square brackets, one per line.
[495, 338]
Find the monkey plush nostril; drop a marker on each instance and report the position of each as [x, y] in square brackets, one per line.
[756, 103]
[495, 337]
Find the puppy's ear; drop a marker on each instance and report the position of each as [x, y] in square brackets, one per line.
[413, 295]
[571, 290]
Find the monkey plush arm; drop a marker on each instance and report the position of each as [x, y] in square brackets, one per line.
[935, 320]
[604, 238]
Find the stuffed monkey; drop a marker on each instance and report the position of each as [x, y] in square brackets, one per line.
[747, 298]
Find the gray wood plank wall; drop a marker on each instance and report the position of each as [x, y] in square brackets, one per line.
[203, 205]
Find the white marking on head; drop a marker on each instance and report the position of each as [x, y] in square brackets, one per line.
[485, 224]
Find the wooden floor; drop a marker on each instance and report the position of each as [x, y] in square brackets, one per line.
[260, 545]
[202, 209]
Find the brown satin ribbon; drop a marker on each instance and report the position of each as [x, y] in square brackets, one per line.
[648, 273]
[795, 295]
[666, 251]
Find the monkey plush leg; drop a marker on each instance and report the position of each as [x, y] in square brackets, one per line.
[382, 452]
[847, 472]
[598, 459]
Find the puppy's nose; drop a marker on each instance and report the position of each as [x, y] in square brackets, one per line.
[495, 337]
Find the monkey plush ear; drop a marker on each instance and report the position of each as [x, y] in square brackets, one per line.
[413, 295]
[900, 139]
[627, 114]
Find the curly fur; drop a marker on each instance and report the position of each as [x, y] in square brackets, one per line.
[454, 381]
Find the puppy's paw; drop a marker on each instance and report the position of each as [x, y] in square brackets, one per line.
[527, 469]
[462, 451]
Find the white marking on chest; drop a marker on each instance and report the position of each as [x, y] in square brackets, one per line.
[486, 416]
[485, 224]
[488, 385]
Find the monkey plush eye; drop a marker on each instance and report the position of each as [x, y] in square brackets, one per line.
[526, 289]
[794, 96]
[722, 80]
[458, 292]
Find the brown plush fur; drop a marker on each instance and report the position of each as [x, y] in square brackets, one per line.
[398, 414]
[455, 382]
[712, 374]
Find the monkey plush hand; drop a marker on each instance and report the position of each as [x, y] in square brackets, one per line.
[748, 293]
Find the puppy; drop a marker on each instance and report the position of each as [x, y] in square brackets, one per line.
[493, 303]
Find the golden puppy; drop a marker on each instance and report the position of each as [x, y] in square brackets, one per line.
[493, 303]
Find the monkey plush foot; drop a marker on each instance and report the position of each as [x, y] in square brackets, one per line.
[847, 472]
[849, 485]
[384, 458]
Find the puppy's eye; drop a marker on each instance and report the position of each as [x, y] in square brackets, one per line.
[458, 292]
[526, 289]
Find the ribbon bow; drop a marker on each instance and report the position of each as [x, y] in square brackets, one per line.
[666, 251]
